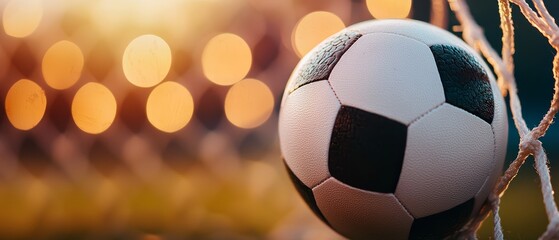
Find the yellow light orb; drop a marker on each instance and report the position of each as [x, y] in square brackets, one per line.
[146, 61]
[313, 29]
[21, 17]
[62, 65]
[169, 107]
[226, 59]
[93, 108]
[249, 103]
[25, 104]
[389, 9]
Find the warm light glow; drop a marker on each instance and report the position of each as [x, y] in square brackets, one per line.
[94, 108]
[146, 61]
[62, 65]
[249, 103]
[21, 17]
[313, 29]
[169, 107]
[389, 8]
[25, 104]
[186, 20]
[226, 59]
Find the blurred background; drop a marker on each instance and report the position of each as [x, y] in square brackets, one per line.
[145, 119]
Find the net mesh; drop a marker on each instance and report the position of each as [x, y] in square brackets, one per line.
[529, 138]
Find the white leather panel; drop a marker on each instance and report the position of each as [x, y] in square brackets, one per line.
[449, 156]
[389, 75]
[360, 214]
[419, 30]
[305, 128]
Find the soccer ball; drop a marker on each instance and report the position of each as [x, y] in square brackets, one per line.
[393, 129]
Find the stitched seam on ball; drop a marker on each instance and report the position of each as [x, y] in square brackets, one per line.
[315, 64]
[425, 113]
[399, 34]
[494, 147]
[321, 182]
[481, 188]
[335, 94]
[305, 84]
[403, 206]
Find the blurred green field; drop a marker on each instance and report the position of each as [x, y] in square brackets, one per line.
[253, 201]
[522, 211]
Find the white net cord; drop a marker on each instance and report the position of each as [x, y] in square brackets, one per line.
[529, 139]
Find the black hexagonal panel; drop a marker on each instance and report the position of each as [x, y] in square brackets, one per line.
[306, 194]
[320, 65]
[466, 84]
[367, 150]
[443, 224]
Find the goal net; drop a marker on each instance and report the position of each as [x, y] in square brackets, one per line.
[503, 65]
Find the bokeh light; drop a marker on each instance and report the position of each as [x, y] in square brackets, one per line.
[226, 59]
[146, 60]
[25, 104]
[389, 9]
[169, 107]
[249, 103]
[312, 29]
[93, 108]
[62, 65]
[21, 17]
